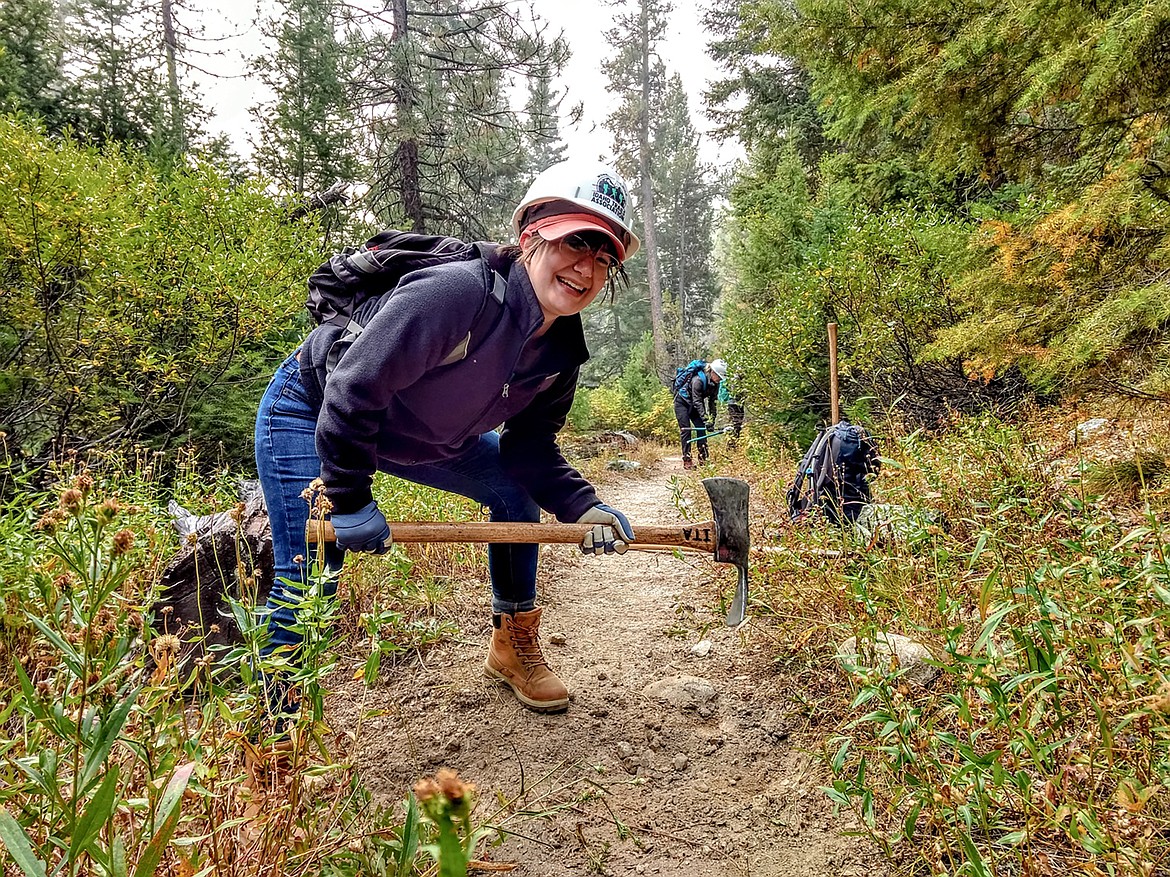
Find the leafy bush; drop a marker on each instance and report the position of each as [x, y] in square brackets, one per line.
[137, 307]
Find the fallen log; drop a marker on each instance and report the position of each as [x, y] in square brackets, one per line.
[228, 554]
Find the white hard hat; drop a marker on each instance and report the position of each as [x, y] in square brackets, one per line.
[719, 366]
[595, 188]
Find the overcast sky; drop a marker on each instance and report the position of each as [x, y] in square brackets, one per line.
[583, 23]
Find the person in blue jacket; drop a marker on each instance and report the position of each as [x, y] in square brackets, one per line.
[699, 392]
[397, 403]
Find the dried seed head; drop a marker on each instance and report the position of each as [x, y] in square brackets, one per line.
[453, 788]
[426, 789]
[107, 511]
[123, 542]
[167, 644]
[71, 500]
[51, 520]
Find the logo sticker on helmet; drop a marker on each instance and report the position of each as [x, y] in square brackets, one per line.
[610, 195]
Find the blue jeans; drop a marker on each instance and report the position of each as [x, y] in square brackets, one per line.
[286, 459]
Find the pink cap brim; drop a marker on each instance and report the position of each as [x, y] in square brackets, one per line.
[553, 228]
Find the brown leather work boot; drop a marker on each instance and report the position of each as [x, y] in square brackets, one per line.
[515, 658]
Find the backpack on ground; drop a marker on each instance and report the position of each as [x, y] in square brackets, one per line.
[833, 474]
[347, 291]
[684, 373]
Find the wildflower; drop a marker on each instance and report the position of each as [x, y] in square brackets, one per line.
[237, 514]
[51, 520]
[426, 789]
[445, 796]
[71, 500]
[107, 511]
[123, 542]
[453, 788]
[167, 644]
[213, 629]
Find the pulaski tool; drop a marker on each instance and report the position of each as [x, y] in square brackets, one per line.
[725, 536]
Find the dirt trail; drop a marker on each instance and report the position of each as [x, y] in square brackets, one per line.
[624, 782]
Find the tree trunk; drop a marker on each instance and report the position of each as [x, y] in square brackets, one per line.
[178, 133]
[407, 153]
[662, 361]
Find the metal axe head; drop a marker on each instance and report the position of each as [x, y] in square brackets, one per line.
[729, 502]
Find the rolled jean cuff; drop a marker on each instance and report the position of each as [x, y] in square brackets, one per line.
[503, 607]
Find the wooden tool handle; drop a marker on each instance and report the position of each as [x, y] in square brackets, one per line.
[693, 536]
[834, 396]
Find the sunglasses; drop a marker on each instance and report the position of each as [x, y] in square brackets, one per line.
[576, 246]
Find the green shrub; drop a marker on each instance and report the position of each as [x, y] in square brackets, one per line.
[137, 308]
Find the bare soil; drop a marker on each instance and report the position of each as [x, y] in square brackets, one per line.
[624, 782]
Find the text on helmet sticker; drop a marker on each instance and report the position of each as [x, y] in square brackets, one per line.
[610, 195]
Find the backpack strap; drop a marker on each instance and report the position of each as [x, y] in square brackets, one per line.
[491, 308]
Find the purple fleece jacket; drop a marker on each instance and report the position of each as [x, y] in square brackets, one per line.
[389, 397]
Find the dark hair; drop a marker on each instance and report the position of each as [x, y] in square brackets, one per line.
[537, 243]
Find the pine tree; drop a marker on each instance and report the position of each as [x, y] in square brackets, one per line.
[544, 146]
[448, 147]
[112, 60]
[637, 77]
[685, 191]
[306, 136]
[31, 54]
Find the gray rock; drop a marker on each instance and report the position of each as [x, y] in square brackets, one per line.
[623, 465]
[890, 652]
[684, 692]
[701, 649]
[1088, 429]
[680, 762]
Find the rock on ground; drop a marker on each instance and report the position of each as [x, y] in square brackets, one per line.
[890, 651]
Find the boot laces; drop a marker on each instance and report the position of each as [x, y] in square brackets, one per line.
[526, 644]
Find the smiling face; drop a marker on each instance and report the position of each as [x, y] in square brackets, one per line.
[566, 280]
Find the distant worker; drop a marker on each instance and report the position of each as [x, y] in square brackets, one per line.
[697, 384]
[731, 395]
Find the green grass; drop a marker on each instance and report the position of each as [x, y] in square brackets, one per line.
[1044, 747]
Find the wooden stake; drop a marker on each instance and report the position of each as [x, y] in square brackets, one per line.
[833, 395]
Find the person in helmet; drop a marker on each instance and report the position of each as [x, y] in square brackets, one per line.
[700, 391]
[397, 403]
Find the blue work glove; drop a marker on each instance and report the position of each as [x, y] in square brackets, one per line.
[363, 530]
[611, 534]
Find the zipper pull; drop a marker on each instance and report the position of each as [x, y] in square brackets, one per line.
[504, 395]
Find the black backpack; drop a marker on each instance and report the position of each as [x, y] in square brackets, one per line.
[347, 291]
[833, 474]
